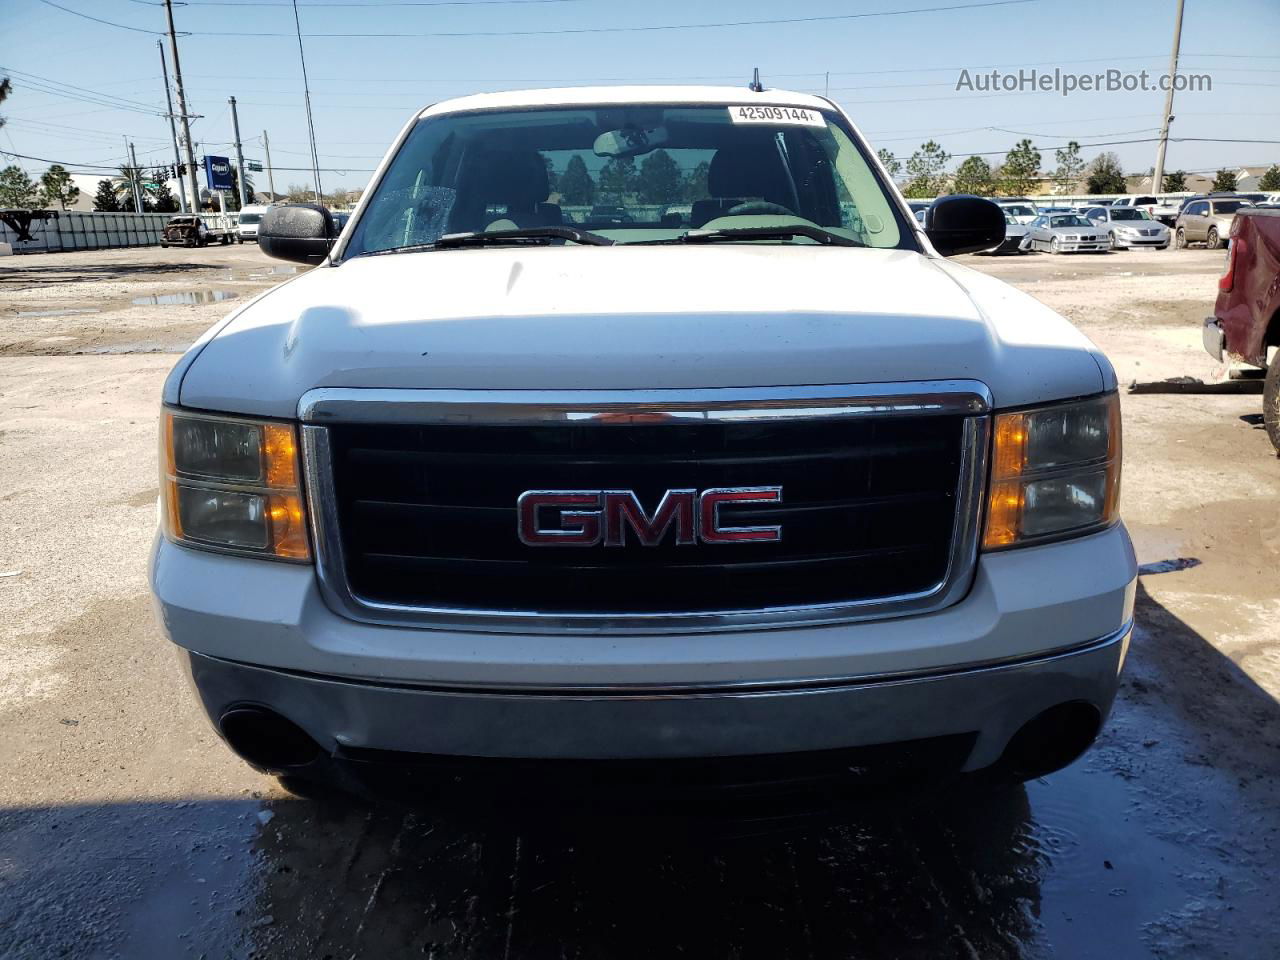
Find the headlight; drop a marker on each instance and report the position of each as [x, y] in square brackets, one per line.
[1055, 472]
[232, 485]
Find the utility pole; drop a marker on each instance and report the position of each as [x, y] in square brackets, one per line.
[235, 127]
[1157, 179]
[306, 90]
[182, 107]
[173, 130]
[135, 176]
[271, 180]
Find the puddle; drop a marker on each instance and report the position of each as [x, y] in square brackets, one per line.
[263, 274]
[187, 297]
[67, 312]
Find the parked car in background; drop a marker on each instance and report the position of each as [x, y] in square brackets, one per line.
[1024, 211]
[1064, 233]
[1129, 227]
[1207, 221]
[1139, 200]
[1245, 325]
[248, 220]
[340, 219]
[1167, 212]
[1013, 234]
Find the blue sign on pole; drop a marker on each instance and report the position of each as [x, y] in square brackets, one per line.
[217, 172]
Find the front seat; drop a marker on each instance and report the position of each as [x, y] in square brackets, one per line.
[740, 173]
[515, 179]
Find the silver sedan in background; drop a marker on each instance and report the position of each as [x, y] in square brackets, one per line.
[1064, 233]
[1129, 227]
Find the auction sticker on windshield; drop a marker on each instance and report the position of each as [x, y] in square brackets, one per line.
[797, 116]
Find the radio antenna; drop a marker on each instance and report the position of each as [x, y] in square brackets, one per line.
[755, 83]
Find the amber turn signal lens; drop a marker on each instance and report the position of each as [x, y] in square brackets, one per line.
[1055, 472]
[232, 485]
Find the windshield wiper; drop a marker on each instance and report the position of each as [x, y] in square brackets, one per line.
[522, 235]
[526, 235]
[811, 231]
[729, 234]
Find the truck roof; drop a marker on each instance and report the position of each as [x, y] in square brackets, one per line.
[584, 96]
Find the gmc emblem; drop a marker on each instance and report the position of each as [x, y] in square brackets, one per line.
[587, 518]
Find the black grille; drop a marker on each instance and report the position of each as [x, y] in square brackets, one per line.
[428, 513]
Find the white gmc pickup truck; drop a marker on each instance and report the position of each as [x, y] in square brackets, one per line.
[644, 425]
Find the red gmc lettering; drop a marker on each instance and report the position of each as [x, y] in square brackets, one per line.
[710, 530]
[585, 518]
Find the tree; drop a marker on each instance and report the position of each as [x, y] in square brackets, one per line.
[1224, 181]
[974, 176]
[1271, 179]
[56, 186]
[618, 177]
[1020, 172]
[130, 175]
[695, 183]
[17, 192]
[927, 171]
[659, 179]
[1174, 182]
[5, 89]
[1070, 166]
[575, 184]
[104, 201]
[892, 165]
[297, 193]
[1106, 175]
[163, 200]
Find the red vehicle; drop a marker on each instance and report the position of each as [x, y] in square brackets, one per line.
[1245, 325]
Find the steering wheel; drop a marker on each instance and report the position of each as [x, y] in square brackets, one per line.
[758, 207]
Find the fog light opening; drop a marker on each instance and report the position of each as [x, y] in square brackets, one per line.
[266, 739]
[1051, 740]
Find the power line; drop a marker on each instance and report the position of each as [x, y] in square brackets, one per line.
[372, 3]
[650, 28]
[109, 23]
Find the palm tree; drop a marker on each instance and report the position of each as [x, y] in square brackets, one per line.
[123, 186]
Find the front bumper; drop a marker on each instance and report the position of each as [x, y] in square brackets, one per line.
[1123, 242]
[1082, 246]
[988, 704]
[1039, 626]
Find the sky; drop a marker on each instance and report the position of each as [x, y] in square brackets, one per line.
[81, 85]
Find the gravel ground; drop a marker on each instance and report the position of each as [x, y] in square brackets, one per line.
[128, 830]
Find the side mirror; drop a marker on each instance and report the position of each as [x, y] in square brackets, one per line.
[301, 232]
[963, 224]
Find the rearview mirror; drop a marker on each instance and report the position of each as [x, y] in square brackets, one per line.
[629, 141]
[301, 232]
[963, 224]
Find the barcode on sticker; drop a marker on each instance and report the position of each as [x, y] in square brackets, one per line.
[795, 116]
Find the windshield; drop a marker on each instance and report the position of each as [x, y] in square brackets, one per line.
[250, 218]
[1129, 213]
[1070, 220]
[632, 174]
[1230, 206]
[1019, 210]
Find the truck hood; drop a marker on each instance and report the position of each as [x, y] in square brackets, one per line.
[640, 317]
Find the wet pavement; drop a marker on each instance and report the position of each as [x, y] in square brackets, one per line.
[1162, 842]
